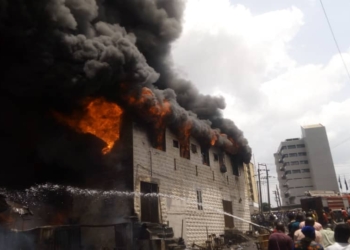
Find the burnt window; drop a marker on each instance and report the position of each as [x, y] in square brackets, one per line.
[185, 149]
[235, 170]
[222, 159]
[194, 148]
[216, 157]
[236, 164]
[205, 156]
[157, 137]
[175, 144]
[199, 200]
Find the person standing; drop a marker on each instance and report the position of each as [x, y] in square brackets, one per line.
[295, 225]
[279, 240]
[341, 237]
[308, 242]
[317, 225]
[291, 217]
[327, 236]
[324, 217]
[309, 221]
[344, 214]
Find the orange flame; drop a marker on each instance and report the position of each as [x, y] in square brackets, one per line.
[184, 137]
[156, 109]
[152, 108]
[100, 118]
[214, 137]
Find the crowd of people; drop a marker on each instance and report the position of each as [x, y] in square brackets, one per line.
[305, 231]
[330, 216]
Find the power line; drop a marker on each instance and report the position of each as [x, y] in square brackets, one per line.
[347, 139]
[335, 40]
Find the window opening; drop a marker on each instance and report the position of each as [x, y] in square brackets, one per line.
[216, 157]
[185, 148]
[205, 156]
[194, 148]
[199, 200]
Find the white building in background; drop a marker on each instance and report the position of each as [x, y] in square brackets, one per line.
[305, 164]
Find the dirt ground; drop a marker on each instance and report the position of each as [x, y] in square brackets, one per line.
[246, 246]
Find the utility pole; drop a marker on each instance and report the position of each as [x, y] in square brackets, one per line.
[260, 196]
[267, 180]
[268, 187]
[276, 199]
[278, 195]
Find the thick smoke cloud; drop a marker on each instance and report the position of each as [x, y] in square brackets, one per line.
[60, 51]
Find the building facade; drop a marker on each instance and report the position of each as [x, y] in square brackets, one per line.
[252, 187]
[193, 190]
[305, 164]
[189, 189]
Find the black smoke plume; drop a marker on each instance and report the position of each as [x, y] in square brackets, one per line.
[57, 52]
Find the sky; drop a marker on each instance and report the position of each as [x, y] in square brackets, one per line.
[277, 66]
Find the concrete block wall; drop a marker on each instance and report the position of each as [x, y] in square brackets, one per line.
[179, 179]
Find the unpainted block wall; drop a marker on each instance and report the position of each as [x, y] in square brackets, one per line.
[178, 187]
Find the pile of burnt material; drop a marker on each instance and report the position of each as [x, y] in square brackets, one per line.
[153, 236]
[234, 236]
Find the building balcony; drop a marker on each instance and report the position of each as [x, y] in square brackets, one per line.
[285, 185]
[289, 195]
[283, 168]
[292, 198]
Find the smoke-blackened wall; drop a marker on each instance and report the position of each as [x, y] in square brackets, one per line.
[55, 53]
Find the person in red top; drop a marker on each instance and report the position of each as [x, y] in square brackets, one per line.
[279, 240]
[345, 214]
[325, 217]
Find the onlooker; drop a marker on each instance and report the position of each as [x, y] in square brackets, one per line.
[324, 217]
[341, 236]
[308, 242]
[344, 214]
[279, 240]
[331, 216]
[295, 225]
[317, 225]
[327, 236]
[291, 217]
[309, 221]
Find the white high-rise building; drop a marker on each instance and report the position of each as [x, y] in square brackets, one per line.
[305, 164]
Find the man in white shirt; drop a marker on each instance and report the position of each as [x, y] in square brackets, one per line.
[341, 236]
[327, 236]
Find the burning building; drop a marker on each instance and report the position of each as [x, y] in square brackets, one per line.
[90, 101]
